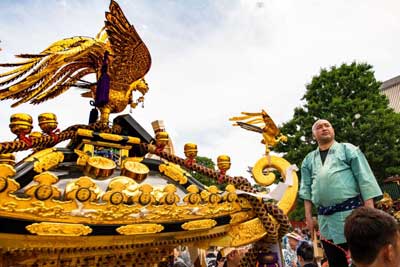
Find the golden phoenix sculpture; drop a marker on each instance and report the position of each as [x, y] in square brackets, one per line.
[117, 56]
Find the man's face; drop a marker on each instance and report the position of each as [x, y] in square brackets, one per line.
[323, 132]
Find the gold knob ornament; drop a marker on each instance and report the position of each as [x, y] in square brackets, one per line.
[20, 124]
[190, 150]
[224, 162]
[48, 122]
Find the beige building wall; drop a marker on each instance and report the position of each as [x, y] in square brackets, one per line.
[391, 88]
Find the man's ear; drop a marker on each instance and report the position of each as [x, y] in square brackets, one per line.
[388, 253]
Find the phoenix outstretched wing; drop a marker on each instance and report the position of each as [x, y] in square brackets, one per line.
[130, 57]
[249, 127]
[46, 75]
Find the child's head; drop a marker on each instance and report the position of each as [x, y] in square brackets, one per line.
[305, 252]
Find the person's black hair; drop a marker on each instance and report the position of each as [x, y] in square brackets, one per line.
[306, 251]
[367, 231]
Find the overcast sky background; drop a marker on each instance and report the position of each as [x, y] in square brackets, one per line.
[212, 59]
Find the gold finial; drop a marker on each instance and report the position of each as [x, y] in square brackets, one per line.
[161, 138]
[224, 163]
[190, 150]
[21, 124]
[48, 122]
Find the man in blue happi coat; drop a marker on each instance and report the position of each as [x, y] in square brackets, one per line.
[336, 178]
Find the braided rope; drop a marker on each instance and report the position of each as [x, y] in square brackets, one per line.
[52, 140]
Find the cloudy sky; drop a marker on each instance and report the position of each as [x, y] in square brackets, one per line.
[213, 59]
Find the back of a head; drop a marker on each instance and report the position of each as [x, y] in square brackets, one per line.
[306, 251]
[367, 231]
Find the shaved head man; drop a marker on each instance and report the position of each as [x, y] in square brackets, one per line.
[335, 178]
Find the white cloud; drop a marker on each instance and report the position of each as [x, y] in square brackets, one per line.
[215, 59]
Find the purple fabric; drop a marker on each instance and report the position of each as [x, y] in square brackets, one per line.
[103, 85]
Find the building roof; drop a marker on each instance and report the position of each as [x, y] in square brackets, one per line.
[389, 83]
[391, 88]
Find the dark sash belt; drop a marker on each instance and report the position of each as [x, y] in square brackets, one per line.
[348, 204]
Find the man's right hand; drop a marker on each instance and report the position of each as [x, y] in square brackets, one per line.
[310, 226]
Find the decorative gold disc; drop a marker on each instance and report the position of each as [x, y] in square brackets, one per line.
[99, 167]
[135, 170]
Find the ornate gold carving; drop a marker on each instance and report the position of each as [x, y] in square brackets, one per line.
[99, 167]
[83, 189]
[58, 229]
[169, 197]
[174, 172]
[46, 159]
[145, 197]
[83, 157]
[231, 195]
[135, 229]
[254, 121]
[247, 232]
[199, 224]
[119, 190]
[44, 189]
[193, 197]
[240, 217]
[211, 195]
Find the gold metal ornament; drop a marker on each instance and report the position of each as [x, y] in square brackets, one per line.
[190, 150]
[169, 196]
[247, 232]
[48, 122]
[135, 170]
[84, 189]
[162, 139]
[44, 189]
[21, 124]
[35, 134]
[77, 57]
[99, 167]
[7, 158]
[224, 162]
[59, 229]
[139, 229]
[254, 121]
[193, 197]
[199, 224]
[174, 172]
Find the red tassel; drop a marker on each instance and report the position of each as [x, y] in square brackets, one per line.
[26, 140]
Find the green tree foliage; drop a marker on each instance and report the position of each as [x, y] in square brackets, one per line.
[207, 162]
[349, 97]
